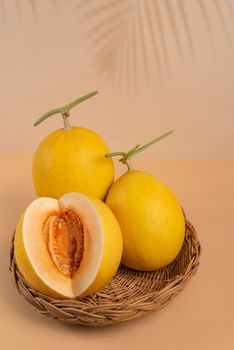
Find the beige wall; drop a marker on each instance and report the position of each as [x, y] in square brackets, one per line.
[57, 50]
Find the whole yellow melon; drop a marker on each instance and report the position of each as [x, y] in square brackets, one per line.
[151, 220]
[71, 159]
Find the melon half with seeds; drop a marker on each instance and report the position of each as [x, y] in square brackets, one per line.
[68, 247]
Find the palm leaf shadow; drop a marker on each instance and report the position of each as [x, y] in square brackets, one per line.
[109, 24]
[116, 32]
[18, 4]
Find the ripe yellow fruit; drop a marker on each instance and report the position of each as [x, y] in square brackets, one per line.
[151, 220]
[71, 160]
[150, 217]
[68, 247]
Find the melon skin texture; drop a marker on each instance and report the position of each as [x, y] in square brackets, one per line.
[102, 246]
[151, 220]
[72, 161]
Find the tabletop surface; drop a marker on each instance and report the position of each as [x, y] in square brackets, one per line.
[201, 317]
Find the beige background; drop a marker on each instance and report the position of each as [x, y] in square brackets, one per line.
[55, 51]
[173, 70]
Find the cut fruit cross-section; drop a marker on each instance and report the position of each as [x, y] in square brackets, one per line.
[68, 247]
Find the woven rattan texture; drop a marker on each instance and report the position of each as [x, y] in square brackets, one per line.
[130, 294]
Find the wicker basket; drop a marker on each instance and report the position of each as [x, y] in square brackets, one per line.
[130, 294]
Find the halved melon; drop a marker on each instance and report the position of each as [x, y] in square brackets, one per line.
[68, 247]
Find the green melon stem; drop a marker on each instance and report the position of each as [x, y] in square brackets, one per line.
[66, 121]
[126, 156]
[65, 111]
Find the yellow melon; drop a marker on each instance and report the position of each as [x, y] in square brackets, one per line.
[68, 247]
[71, 159]
[151, 220]
[149, 214]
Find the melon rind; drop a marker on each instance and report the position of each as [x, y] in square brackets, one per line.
[102, 247]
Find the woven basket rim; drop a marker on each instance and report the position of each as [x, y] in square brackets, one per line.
[104, 308]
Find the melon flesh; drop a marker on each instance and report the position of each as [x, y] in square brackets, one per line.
[64, 237]
[68, 247]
